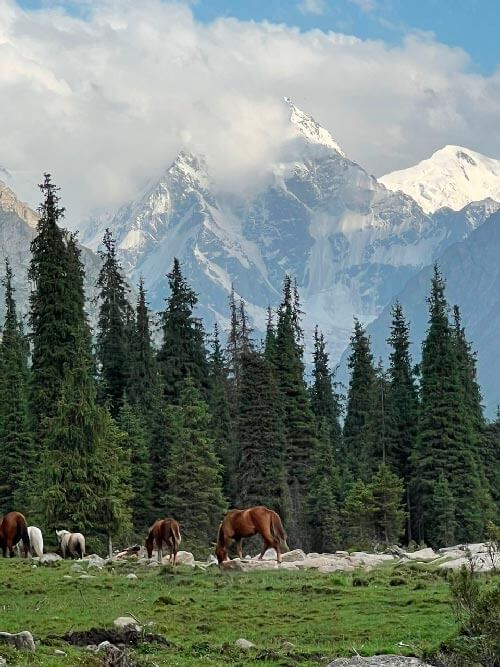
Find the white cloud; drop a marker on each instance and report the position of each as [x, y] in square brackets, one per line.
[105, 103]
[366, 6]
[312, 6]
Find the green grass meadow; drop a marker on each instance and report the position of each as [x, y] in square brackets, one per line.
[202, 613]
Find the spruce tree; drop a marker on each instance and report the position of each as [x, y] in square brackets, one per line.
[490, 456]
[360, 404]
[112, 328]
[84, 478]
[142, 387]
[358, 513]
[389, 515]
[222, 416]
[444, 527]
[325, 402]
[182, 354]
[299, 420]
[55, 318]
[402, 422]
[260, 436]
[193, 477]
[324, 493]
[136, 442]
[16, 439]
[445, 443]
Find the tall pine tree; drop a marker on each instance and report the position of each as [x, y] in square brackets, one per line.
[15, 429]
[55, 316]
[193, 477]
[445, 445]
[300, 425]
[360, 405]
[113, 333]
[182, 354]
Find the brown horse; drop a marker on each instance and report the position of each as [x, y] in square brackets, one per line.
[238, 524]
[164, 531]
[14, 528]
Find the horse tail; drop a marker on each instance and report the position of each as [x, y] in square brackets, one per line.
[81, 546]
[278, 532]
[36, 539]
[25, 536]
[176, 534]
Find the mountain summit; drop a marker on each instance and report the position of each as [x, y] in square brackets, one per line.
[307, 127]
[453, 176]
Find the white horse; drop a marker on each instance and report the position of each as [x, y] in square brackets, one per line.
[72, 544]
[36, 542]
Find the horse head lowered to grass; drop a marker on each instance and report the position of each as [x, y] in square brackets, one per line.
[238, 524]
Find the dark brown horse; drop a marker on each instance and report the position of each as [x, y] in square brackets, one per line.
[238, 524]
[13, 528]
[164, 531]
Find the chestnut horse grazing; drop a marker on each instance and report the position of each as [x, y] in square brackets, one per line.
[238, 524]
[164, 531]
[14, 528]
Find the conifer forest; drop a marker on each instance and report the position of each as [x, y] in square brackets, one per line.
[149, 415]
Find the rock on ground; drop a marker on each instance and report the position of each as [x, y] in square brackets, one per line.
[244, 644]
[20, 640]
[292, 556]
[94, 561]
[127, 623]
[49, 559]
[131, 576]
[269, 555]
[182, 558]
[378, 661]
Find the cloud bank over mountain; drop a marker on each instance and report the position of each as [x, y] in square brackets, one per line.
[105, 100]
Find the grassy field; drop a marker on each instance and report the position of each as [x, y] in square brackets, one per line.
[202, 613]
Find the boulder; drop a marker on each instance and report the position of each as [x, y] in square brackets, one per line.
[50, 559]
[182, 558]
[154, 563]
[341, 553]
[131, 576]
[76, 567]
[94, 561]
[235, 565]
[57, 651]
[480, 563]
[127, 623]
[269, 555]
[422, 554]
[292, 556]
[244, 644]
[287, 566]
[378, 661]
[314, 554]
[336, 567]
[310, 563]
[20, 640]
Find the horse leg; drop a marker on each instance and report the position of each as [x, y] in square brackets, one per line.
[269, 542]
[238, 548]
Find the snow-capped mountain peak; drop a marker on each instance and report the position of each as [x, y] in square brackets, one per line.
[10, 203]
[453, 176]
[307, 127]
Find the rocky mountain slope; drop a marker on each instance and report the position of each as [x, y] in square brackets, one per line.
[472, 272]
[348, 240]
[453, 177]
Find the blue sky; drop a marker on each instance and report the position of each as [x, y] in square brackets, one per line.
[469, 24]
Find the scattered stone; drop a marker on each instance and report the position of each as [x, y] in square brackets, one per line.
[480, 563]
[94, 561]
[131, 576]
[20, 640]
[336, 567]
[292, 556]
[184, 558]
[76, 567]
[288, 646]
[421, 554]
[244, 644]
[127, 622]
[236, 565]
[314, 554]
[341, 553]
[3, 661]
[50, 559]
[154, 563]
[87, 576]
[60, 653]
[67, 576]
[269, 555]
[287, 566]
[212, 560]
[378, 661]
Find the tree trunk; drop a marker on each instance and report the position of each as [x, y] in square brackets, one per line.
[110, 546]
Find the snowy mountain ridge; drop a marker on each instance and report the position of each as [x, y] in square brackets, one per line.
[453, 177]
